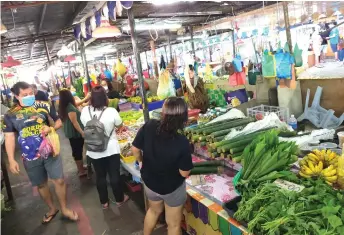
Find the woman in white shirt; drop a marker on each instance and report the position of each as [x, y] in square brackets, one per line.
[107, 162]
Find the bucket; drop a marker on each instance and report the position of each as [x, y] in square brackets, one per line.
[341, 138]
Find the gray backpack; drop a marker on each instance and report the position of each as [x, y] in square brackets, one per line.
[96, 139]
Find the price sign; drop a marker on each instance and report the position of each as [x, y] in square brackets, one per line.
[288, 185]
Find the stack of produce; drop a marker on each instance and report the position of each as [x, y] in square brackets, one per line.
[125, 133]
[136, 99]
[130, 117]
[322, 164]
[214, 132]
[207, 167]
[270, 210]
[234, 147]
[266, 158]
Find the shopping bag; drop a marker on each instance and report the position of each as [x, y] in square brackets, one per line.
[268, 65]
[252, 76]
[233, 80]
[45, 149]
[237, 64]
[54, 141]
[284, 63]
[298, 56]
[241, 78]
[217, 98]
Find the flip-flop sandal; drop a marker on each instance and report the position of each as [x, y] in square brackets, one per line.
[126, 198]
[105, 206]
[48, 218]
[75, 219]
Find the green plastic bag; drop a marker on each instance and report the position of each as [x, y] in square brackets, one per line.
[286, 47]
[298, 56]
[217, 98]
[268, 65]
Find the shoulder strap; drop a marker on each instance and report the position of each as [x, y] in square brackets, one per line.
[101, 113]
[89, 110]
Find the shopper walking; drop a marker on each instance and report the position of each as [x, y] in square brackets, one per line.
[73, 128]
[166, 162]
[106, 161]
[29, 118]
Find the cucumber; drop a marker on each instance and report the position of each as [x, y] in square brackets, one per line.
[237, 150]
[206, 170]
[208, 163]
[227, 126]
[228, 147]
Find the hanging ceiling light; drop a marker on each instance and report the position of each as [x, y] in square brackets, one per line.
[336, 13]
[69, 58]
[106, 30]
[10, 62]
[65, 51]
[153, 26]
[321, 16]
[3, 29]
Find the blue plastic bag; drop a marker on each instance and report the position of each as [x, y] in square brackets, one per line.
[237, 64]
[284, 61]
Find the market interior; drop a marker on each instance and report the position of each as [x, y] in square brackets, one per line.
[264, 84]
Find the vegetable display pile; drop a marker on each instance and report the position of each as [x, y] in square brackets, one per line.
[316, 210]
[320, 163]
[265, 158]
[130, 117]
[216, 132]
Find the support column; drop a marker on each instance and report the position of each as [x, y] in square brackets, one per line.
[287, 26]
[233, 40]
[155, 62]
[84, 63]
[169, 45]
[70, 74]
[147, 63]
[64, 78]
[192, 41]
[52, 79]
[166, 55]
[138, 64]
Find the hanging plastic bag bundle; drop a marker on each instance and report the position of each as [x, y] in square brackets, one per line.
[166, 85]
[298, 56]
[54, 141]
[237, 64]
[268, 65]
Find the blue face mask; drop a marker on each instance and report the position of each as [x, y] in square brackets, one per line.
[73, 93]
[28, 101]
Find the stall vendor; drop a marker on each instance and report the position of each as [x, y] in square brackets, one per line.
[130, 89]
[197, 95]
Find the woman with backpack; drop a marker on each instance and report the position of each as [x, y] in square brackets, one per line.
[102, 145]
[73, 128]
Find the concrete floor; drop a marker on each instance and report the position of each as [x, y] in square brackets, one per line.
[28, 209]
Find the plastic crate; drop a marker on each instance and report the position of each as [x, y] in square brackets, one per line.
[135, 106]
[155, 105]
[260, 111]
[125, 106]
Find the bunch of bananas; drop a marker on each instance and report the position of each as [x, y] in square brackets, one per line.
[136, 99]
[153, 99]
[321, 164]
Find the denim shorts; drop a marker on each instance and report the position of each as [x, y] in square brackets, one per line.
[174, 199]
[40, 169]
[334, 48]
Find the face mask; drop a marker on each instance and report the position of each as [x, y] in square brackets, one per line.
[73, 93]
[28, 101]
[106, 88]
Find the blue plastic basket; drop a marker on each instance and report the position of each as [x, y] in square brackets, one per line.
[155, 105]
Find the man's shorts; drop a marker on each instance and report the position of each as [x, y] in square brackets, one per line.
[40, 169]
[323, 48]
[334, 48]
[174, 199]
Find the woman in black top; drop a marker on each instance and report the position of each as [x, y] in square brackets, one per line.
[166, 162]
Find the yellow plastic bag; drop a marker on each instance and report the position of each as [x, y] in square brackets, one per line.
[54, 140]
[340, 172]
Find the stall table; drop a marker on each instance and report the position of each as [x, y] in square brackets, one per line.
[203, 212]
